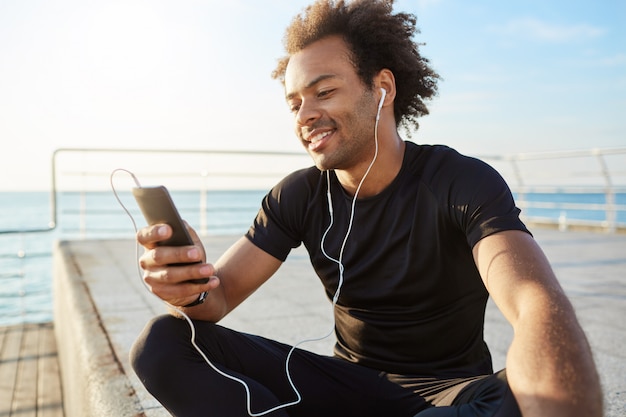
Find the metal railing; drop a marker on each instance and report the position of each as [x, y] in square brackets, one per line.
[535, 178]
[594, 180]
[206, 172]
[81, 204]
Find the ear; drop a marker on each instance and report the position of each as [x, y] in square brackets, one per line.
[385, 79]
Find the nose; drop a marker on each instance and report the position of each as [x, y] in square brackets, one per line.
[307, 113]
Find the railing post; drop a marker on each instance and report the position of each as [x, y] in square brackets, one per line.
[609, 193]
[83, 214]
[204, 226]
[21, 255]
[521, 195]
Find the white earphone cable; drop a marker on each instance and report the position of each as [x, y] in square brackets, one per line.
[339, 262]
[193, 329]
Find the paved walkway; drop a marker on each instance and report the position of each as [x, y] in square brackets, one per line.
[292, 307]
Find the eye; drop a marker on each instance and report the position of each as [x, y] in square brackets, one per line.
[325, 93]
[293, 108]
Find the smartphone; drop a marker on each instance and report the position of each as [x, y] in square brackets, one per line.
[157, 206]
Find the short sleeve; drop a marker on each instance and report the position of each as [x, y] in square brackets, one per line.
[490, 204]
[279, 225]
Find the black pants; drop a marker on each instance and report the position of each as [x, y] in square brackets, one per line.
[175, 373]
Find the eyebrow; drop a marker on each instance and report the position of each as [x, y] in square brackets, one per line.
[312, 83]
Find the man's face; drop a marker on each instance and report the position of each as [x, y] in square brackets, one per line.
[334, 113]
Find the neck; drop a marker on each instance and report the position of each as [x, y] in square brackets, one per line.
[382, 173]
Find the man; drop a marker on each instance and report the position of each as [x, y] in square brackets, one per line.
[408, 241]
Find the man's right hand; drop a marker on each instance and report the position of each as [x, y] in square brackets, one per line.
[168, 269]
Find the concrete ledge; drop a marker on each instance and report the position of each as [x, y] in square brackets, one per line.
[101, 305]
[94, 381]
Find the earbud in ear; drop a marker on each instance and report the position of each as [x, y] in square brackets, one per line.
[383, 93]
[382, 100]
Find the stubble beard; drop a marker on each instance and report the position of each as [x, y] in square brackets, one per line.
[356, 149]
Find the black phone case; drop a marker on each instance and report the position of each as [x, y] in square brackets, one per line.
[157, 206]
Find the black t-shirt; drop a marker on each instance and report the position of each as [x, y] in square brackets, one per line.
[412, 300]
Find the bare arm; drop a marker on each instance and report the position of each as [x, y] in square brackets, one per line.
[238, 273]
[550, 367]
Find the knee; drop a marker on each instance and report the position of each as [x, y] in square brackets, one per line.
[490, 396]
[159, 341]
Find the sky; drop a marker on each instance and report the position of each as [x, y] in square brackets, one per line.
[516, 76]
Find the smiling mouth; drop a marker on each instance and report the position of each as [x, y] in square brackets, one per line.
[317, 141]
[319, 136]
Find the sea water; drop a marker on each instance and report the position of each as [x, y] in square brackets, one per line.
[26, 252]
[26, 259]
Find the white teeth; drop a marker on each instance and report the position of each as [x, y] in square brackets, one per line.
[319, 137]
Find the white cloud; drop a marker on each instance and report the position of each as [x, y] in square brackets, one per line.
[548, 32]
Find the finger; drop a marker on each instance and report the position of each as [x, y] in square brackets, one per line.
[149, 236]
[173, 274]
[193, 234]
[177, 255]
[183, 293]
[161, 256]
[197, 243]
